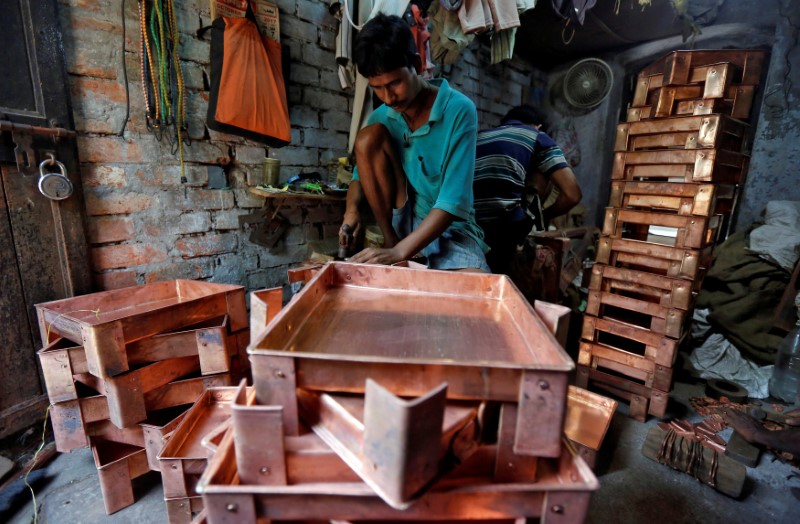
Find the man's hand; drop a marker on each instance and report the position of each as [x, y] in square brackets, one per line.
[352, 219]
[375, 255]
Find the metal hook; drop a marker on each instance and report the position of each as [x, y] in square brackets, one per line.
[51, 159]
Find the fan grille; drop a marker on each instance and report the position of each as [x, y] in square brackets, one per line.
[587, 83]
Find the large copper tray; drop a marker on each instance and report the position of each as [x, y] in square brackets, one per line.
[410, 331]
[561, 494]
[105, 322]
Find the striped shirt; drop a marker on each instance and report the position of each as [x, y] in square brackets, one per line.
[503, 158]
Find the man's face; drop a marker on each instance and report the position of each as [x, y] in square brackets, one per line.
[396, 88]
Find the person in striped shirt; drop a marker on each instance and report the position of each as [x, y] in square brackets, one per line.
[516, 155]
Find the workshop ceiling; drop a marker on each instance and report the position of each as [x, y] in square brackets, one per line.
[546, 40]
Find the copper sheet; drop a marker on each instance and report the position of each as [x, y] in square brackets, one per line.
[104, 322]
[561, 494]
[398, 447]
[410, 331]
[588, 417]
[183, 457]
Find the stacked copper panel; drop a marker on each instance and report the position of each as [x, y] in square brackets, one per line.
[679, 163]
[385, 393]
[122, 366]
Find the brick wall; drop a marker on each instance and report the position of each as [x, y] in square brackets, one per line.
[143, 224]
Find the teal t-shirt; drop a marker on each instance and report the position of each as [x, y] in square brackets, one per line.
[439, 157]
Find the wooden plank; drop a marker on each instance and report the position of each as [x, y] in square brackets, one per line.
[19, 380]
[719, 471]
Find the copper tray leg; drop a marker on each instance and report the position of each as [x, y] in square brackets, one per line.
[258, 441]
[402, 441]
[275, 384]
[540, 417]
[510, 467]
[397, 447]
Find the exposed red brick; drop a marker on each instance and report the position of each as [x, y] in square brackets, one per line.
[108, 149]
[110, 229]
[94, 175]
[83, 24]
[115, 280]
[125, 255]
[115, 203]
[110, 90]
[206, 245]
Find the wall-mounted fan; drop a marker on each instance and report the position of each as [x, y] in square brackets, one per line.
[587, 83]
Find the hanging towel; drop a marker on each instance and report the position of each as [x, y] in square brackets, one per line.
[504, 14]
[475, 16]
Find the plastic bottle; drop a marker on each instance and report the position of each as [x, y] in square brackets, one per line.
[785, 381]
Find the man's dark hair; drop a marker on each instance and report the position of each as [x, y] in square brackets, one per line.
[384, 44]
[526, 114]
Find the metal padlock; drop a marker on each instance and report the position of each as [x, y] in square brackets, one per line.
[55, 186]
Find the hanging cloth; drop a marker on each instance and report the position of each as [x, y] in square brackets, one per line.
[248, 94]
[475, 16]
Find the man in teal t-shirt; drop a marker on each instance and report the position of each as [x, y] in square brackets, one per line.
[415, 159]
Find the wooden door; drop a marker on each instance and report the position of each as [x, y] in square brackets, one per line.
[43, 250]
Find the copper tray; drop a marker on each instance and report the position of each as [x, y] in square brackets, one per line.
[183, 458]
[561, 494]
[105, 322]
[62, 359]
[76, 420]
[410, 331]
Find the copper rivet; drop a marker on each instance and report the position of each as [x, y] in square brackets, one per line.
[279, 373]
[558, 508]
[264, 470]
[347, 277]
[233, 508]
[543, 385]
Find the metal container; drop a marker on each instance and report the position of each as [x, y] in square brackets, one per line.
[411, 330]
[561, 494]
[271, 171]
[105, 322]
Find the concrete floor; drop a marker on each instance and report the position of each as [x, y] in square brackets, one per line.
[633, 489]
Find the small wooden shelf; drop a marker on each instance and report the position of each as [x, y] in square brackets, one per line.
[309, 196]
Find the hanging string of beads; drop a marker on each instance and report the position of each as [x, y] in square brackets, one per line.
[163, 86]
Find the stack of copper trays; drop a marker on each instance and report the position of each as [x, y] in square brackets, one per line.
[389, 393]
[679, 163]
[121, 367]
